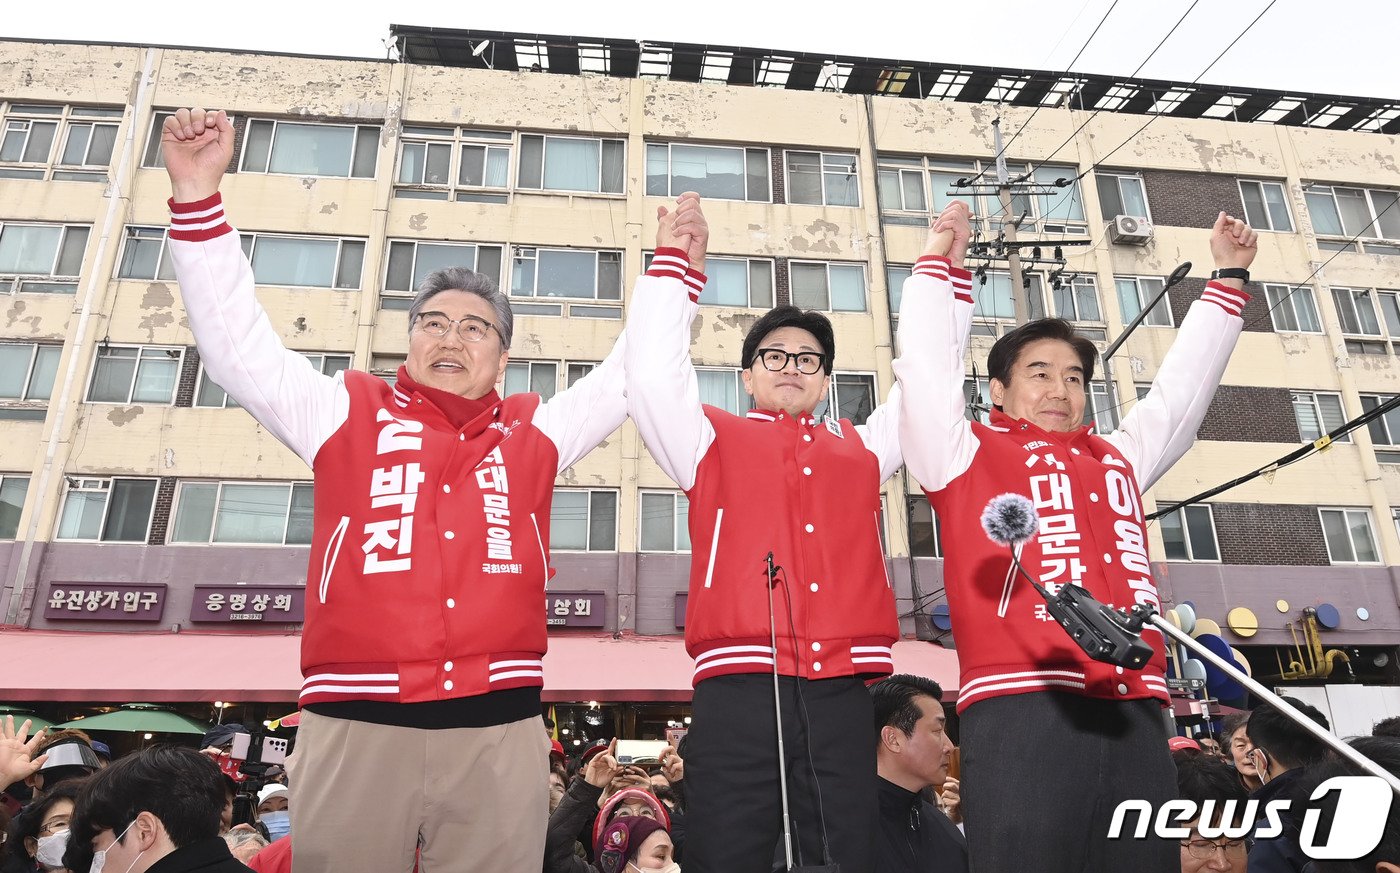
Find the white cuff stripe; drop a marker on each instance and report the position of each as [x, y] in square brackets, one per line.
[217, 209]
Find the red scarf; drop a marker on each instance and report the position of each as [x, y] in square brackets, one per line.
[458, 409]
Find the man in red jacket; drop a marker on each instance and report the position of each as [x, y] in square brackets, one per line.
[1036, 712]
[778, 482]
[423, 642]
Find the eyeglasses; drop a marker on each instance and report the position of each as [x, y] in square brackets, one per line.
[53, 826]
[776, 359]
[469, 327]
[1204, 850]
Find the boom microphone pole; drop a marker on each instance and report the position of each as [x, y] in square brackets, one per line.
[1113, 636]
[772, 573]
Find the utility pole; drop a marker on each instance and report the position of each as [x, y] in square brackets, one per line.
[1009, 227]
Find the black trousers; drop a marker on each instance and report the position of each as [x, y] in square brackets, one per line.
[1042, 773]
[733, 804]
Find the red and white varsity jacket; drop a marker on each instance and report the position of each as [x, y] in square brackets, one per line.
[807, 490]
[1086, 489]
[430, 546]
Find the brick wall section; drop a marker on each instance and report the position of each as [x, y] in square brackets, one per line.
[1188, 291]
[779, 180]
[782, 284]
[240, 130]
[160, 519]
[189, 378]
[1190, 199]
[1269, 533]
[1244, 413]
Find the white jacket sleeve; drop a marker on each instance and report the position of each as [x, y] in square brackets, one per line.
[581, 416]
[237, 344]
[663, 395]
[935, 319]
[880, 433]
[1162, 426]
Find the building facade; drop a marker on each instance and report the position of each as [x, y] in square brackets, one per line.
[135, 497]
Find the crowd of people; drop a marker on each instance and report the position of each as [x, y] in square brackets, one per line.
[804, 750]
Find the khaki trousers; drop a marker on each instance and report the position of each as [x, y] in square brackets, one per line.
[365, 797]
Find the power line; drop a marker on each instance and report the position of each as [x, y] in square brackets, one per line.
[1222, 54]
[1068, 68]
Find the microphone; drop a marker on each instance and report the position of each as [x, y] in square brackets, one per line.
[771, 570]
[1105, 634]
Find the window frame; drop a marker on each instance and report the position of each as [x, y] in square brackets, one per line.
[1283, 198]
[1118, 176]
[530, 364]
[349, 173]
[1371, 530]
[202, 379]
[1288, 296]
[676, 527]
[743, 150]
[588, 520]
[179, 359]
[28, 480]
[1076, 285]
[87, 483]
[1137, 281]
[544, 161]
[1296, 396]
[741, 396]
[1387, 320]
[130, 237]
[822, 155]
[179, 502]
[1181, 514]
[401, 297]
[1371, 233]
[28, 382]
[910, 503]
[536, 304]
[52, 167]
[457, 139]
[16, 282]
[1093, 389]
[832, 399]
[860, 267]
[248, 241]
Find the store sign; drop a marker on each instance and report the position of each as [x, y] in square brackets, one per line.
[682, 598]
[105, 601]
[575, 608]
[283, 604]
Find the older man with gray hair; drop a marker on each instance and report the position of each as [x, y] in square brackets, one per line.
[424, 635]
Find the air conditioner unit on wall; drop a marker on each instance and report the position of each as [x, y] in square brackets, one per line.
[1130, 230]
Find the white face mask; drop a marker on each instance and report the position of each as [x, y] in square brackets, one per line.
[51, 849]
[672, 867]
[99, 859]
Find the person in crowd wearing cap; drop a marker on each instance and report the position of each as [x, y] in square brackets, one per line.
[1184, 745]
[1201, 778]
[631, 845]
[1026, 687]
[777, 489]
[67, 754]
[155, 809]
[1237, 749]
[1281, 752]
[586, 808]
[423, 641]
[912, 754]
[103, 752]
[273, 811]
[38, 837]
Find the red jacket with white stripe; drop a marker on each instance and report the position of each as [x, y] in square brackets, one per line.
[430, 546]
[807, 490]
[1086, 489]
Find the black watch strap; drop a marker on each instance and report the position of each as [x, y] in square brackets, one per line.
[1231, 273]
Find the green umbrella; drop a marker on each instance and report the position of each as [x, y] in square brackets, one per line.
[38, 722]
[139, 718]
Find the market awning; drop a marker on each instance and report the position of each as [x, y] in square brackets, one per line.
[262, 668]
[134, 718]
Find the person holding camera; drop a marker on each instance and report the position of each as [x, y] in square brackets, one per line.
[1033, 705]
[423, 641]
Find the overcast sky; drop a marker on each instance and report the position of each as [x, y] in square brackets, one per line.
[1339, 47]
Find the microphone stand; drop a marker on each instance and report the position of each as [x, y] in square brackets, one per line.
[771, 572]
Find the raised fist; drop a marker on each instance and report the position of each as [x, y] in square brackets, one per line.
[950, 233]
[198, 146]
[684, 228]
[1232, 242]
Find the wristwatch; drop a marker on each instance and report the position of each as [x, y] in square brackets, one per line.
[1231, 273]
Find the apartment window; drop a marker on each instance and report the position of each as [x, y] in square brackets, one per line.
[1266, 206]
[1135, 292]
[410, 262]
[146, 255]
[1385, 430]
[583, 521]
[723, 388]
[1349, 536]
[979, 399]
[1356, 310]
[571, 163]
[665, 521]
[900, 183]
[1188, 534]
[852, 397]
[828, 286]
[41, 258]
[27, 371]
[304, 261]
[13, 489]
[243, 513]
[992, 299]
[108, 510]
[822, 179]
[386, 367]
[135, 374]
[448, 163]
[65, 143]
[569, 273]
[894, 281]
[540, 377]
[208, 393]
[1361, 212]
[1318, 413]
[746, 282]
[1293, 308]
[1100, 408]
[1076, 299]
[1122, 195]
[297, 148]
[715, 172]
[925, 536]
